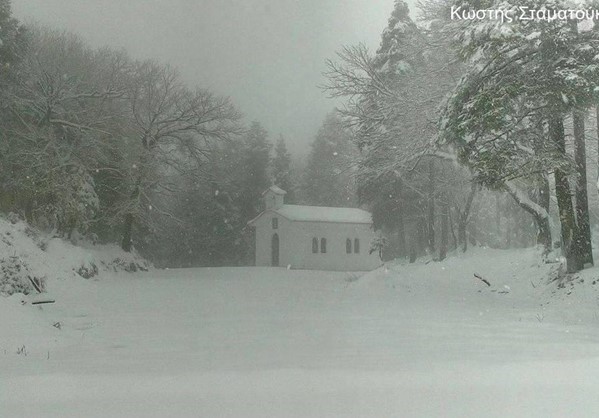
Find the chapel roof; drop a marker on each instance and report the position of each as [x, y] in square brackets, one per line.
[302, 213]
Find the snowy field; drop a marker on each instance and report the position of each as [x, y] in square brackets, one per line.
[424, 340]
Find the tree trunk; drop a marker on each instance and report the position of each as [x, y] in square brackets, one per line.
[401, 237]
[463, 217]
[452, 229]
[564, 198]
[543, 199]
[431, 206]
[127, 243]
[544, 192]
[498, 231]
[539, 213]
[543, 234]
[413, 254]
[444, 231]
[542, 223]
[583, 239]
[422, 235]
[472, 237]
[401, 230]
[463, 242]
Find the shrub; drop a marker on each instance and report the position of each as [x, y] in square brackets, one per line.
[15, 277]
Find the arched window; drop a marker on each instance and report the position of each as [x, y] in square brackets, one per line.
[323, 245]
[314, 245]
[348, 246]
[275, 223]
[356, 246]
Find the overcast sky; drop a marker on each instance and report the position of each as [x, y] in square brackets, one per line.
[267, 55]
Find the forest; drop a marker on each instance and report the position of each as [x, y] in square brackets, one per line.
[133, 282]
[453, 133]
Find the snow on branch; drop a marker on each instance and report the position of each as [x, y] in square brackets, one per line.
[524, 201]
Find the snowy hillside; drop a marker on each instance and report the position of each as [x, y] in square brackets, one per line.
[25, 251]
[405, 340]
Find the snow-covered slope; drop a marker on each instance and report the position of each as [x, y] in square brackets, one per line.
[419, 340]
[25, 251]
[60, 267]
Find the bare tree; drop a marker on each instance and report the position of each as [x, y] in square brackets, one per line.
[170, 129]
[60, 117]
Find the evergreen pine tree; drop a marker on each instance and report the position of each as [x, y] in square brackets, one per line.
[524, 79]
[281, 170]
[402, 43]
[255, 172]
[11, 36]
[328, 178]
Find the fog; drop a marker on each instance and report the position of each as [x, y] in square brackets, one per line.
[266, 55]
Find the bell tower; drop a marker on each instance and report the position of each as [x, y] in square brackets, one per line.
[273, 197]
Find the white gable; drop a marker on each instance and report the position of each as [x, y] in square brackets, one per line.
[324, 214]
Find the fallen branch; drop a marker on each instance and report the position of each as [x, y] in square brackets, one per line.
[36, 284]
[41, 302]
[485, 281]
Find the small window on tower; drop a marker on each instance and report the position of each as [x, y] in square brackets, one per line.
[323, 245]
[356, 246]
[348, 246]
[275, 223]
[314, 245]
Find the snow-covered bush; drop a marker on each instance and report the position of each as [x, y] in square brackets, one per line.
[88, 270]
[129, 265]
[71, 203]
[13, 218]
[15, 277]
[28, 255]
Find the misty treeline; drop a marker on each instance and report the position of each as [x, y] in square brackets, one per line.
[95, 145]
[475, 130]
[452, 133]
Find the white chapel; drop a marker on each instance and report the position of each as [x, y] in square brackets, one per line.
[313, 237]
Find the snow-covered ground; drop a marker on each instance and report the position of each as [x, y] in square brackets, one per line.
[419, 340]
